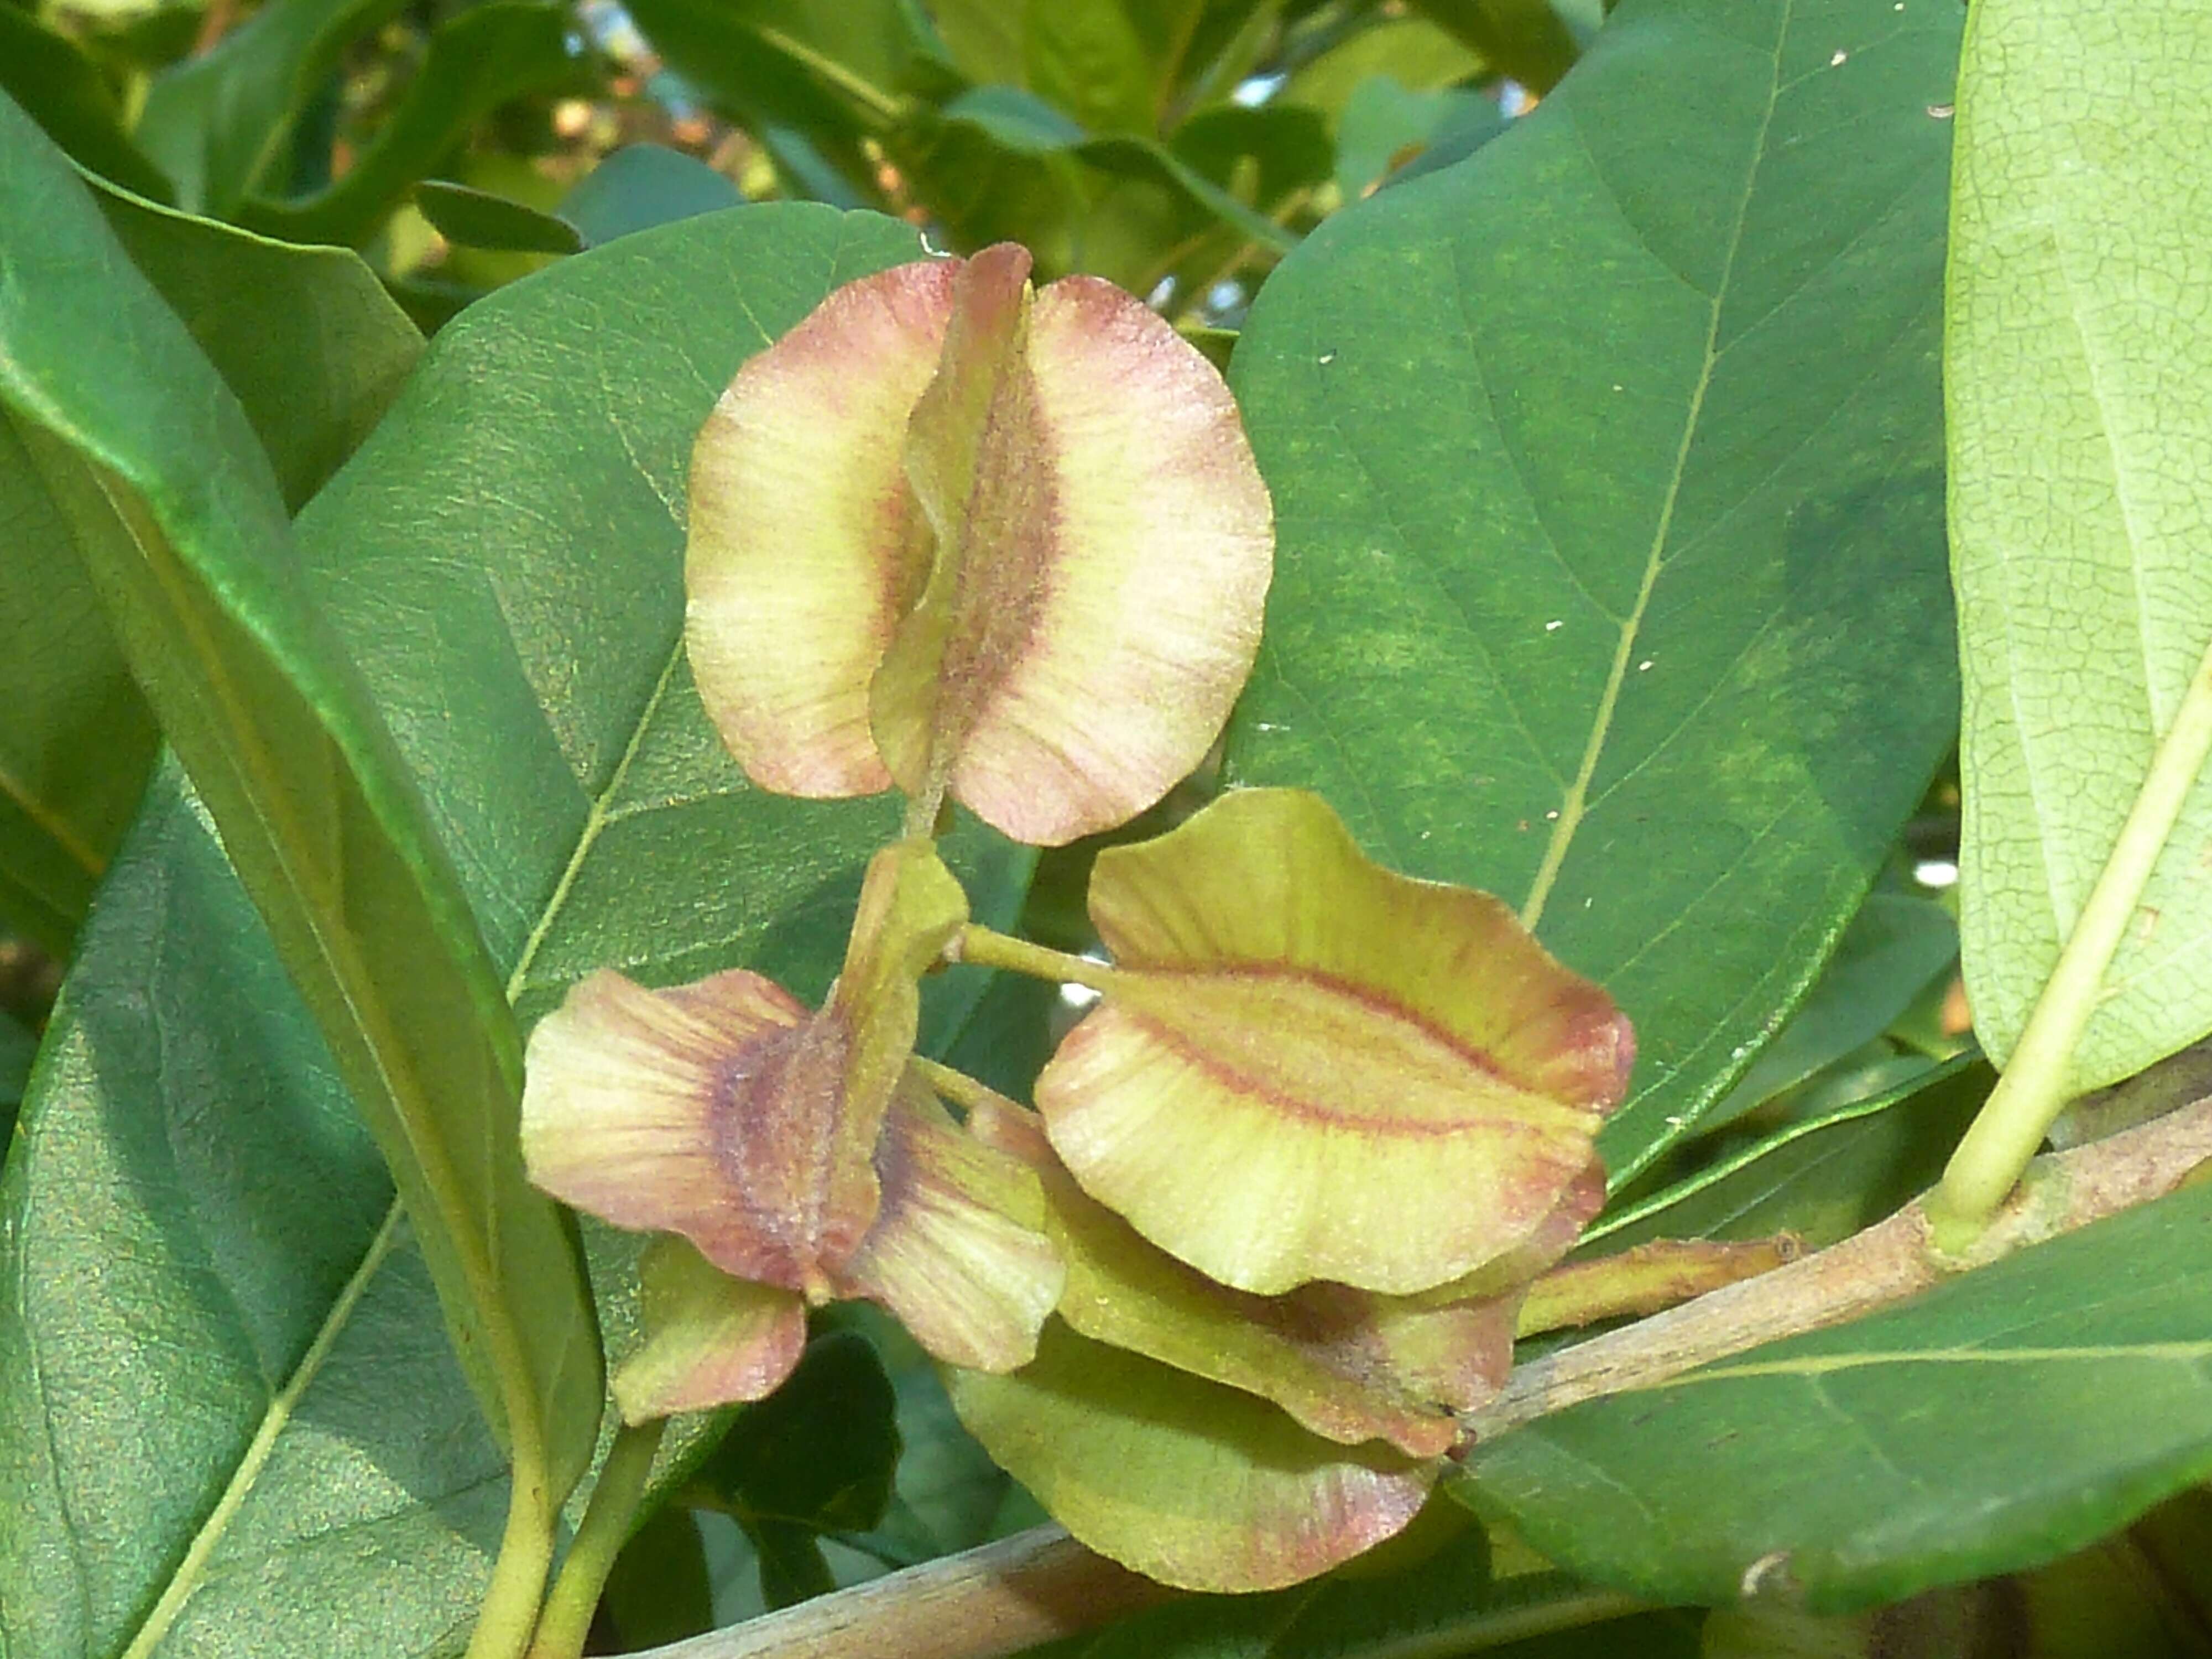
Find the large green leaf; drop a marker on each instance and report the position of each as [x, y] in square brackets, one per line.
[233, 1425]
[476, 62]
[217, 122]
[1999, 1421]
[175, 513]
[2080, 437]
[504, 560]
[314, 351]
[1608, 491]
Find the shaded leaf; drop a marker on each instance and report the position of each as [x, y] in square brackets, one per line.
[314, 351]
[477, 61]
[306, 338]
[478, 218]
[1677, 701]
[641, 185]
[659, 1591]
[1823, 1176]
[1412, 52]
[815, 1458]
[217, 123]
[62, 89]
[1975, 1429]
[1526, 40]
[1023, 125]
[1895, 946]
[2078, 521]
[1450, 1598]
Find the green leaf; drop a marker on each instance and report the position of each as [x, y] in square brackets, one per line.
[315, 350]
[1608, 505]
[1411, 51]
[816, 1458]
[63, 90]
[477, 61]
[1821, 1177]
[1085, 58]
[659, 1590]
[2004, 1418]
[1023, 125]
[641, 185]
[1894, 947]
[1383, 122]
[306, 338]
[78, 738]
[2077, 442]
[820, 71]
[177, 517]
[254, 1438]
[526, 493]
[18, 1048]
[217, 123]
[478, 218]
[1525, 39]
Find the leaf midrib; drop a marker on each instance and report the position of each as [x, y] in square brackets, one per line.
[192, 1569]
[1572, 804]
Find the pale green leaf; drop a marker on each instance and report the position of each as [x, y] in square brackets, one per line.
[2077, 358]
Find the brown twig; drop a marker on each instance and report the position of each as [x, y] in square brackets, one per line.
[1036, 1586]
[1041, 1584]
[1885, 1264]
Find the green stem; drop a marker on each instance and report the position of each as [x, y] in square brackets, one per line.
[2038, 1080]
[878, 102]
[605, 1528]
[509, 1613]
[962, 1090]
[996, 949]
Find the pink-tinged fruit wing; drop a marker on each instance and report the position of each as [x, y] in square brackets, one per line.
[1309, 1067]
[710, 1339]
[805, 545]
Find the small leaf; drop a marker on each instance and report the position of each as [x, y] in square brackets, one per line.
[641, 185]
[478, 60]
[63, 90]
[1188, 1482]
[478, 218]
[1309, 1068]
[216, 122]
[1023, 125]
[1894, 947]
